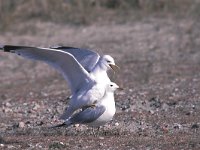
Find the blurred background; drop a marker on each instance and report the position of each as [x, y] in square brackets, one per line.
[156, 44]
[86, 12]
[20, 16]
[156, 33]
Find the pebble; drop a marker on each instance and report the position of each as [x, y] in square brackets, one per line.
[57, 145]
[76, 125]
[59, 110]
[21, 124]
[6, 110]
[151, 112]
[165, 107]
[11, 147]
[101, 138]
[177, 126]
[116, 124]
[33, 116]
[176, 89]
[25, 104]
[36, 107]
[188, 113]
[195, 126]
[130, 90]
[39, 123]
[44, 94]
[7, 104]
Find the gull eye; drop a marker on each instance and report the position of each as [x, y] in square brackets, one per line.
[108, 61]
[111, 85]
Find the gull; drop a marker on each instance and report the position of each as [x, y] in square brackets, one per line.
[97, 115]
[84, 70]
[95, 64]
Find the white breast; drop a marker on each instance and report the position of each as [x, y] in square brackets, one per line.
[109, 103]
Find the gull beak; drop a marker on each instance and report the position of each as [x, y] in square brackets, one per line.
[120, 88]
[114, 67]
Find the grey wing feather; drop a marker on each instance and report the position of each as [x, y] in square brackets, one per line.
[86, 58]
[88, 115]
[64, 62]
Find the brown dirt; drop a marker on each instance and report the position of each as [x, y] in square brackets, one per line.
[159, 108]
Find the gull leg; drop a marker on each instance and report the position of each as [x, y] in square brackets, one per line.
[93, 132]
[96, 133]
[98, 129]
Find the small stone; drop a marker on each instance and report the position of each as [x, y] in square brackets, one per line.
[36, 107]
[31, 93]
[116, 124]
[125, 107]
[176, 89]
[195, 126]
[188, 113]
[57, 145]
[49, 110]
[76, 125]
[151, 112]
[33, 116]
[39, 123]
[101, 138]
[21, 124]
[38, 145]
[44, 94]
[100, 144]
[130, 90]
[27, 122]
[10, 147]
[15, 125]
[165, 107]
[193, 106]
[2, 145]
[177, 126]
[25, 104]
[7, 104]
[6, 110]
[59, 110]
[80, 145]
[155, 102]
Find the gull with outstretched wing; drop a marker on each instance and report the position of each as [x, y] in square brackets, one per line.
[84, 70]
[92, 62]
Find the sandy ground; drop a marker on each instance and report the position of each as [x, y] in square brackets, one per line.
[160, 71]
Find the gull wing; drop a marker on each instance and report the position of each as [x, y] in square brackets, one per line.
[85, 57]
[62, 61]
[87, 115]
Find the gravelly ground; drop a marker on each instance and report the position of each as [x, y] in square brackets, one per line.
[160, 71]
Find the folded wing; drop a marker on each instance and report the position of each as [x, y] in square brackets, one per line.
[87, 115]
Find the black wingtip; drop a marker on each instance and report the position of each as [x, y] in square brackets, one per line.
[12, 48]
[62, 47]
[9, 48]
